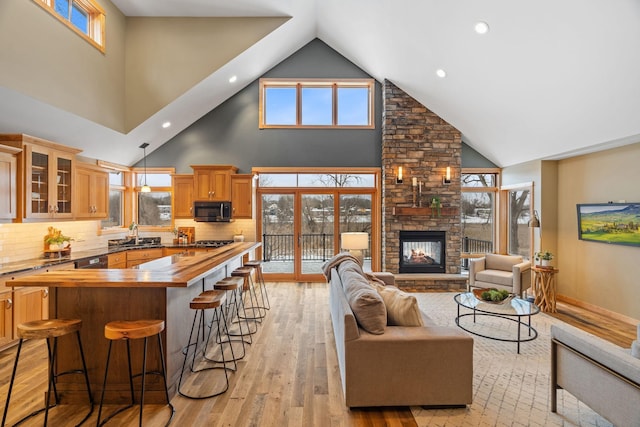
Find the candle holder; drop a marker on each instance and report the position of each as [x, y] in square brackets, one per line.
[414, 197]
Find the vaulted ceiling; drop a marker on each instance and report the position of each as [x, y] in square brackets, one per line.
[549, 79]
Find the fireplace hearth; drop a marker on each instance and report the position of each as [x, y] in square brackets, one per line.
[422, 252]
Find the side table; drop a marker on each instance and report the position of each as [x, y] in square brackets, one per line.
[544, 288]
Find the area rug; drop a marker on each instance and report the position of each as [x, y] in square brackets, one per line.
[509, 389]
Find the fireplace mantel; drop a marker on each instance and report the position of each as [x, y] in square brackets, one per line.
[406, 210]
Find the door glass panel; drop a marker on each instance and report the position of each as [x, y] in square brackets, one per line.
[39, 183]
[355, 215]
[519, 234]
[63, 185]
[278, 248]
[316, 238]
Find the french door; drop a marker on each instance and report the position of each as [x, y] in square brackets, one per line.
[300, 228]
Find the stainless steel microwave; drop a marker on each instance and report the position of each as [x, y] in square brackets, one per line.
[209, 211]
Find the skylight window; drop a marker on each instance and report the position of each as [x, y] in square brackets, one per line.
[316, 103]
[85, 17]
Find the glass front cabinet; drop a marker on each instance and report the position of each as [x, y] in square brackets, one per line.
[49, 182]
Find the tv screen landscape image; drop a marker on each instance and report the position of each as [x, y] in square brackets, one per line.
[617, 223]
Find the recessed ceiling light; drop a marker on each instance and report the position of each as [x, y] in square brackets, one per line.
[166, 125]
[232, 79]
[481, 27]
[441, 73]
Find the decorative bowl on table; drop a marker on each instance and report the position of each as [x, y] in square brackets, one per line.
[493, 295]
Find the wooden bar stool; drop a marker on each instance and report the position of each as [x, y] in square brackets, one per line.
[257, 266]
[128, 330]
[234, 306]
[49, 329]
[208, 300]
[248, 286]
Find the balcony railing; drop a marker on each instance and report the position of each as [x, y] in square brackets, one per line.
[314, 247]
[280, 247]
[475, 246]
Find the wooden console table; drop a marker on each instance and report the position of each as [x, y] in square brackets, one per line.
[544, 288]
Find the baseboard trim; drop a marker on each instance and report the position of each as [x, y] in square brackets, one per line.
[597, 309]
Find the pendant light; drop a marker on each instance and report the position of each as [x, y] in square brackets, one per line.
[145, 188]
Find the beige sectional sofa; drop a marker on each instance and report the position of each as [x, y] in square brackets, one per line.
[425, 365]
[600, 374]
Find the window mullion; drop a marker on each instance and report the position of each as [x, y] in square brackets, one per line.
[298, 104]
[334, 104]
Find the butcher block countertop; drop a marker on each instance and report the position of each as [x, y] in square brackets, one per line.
[174, 271]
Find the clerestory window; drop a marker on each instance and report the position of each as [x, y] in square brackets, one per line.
[316, 103]
[85, 17]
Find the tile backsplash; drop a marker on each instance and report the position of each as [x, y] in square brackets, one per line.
[26, 240]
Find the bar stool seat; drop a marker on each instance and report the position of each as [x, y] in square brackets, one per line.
[127, 330]
[49, 329]
[208, 300]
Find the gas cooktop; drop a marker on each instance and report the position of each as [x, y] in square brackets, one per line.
[212, 243]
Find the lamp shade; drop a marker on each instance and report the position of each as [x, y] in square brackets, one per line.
[535, 221]
[355, 240]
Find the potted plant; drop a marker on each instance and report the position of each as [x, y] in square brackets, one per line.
[55, 240]
[544, 257]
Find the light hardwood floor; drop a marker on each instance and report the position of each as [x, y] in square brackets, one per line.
[288, 378]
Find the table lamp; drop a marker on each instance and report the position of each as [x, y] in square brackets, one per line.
[354, 243]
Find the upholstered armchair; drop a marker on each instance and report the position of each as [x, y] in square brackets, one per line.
[509, 272]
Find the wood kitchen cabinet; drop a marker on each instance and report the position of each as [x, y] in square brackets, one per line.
[117, 260]
[241, 195]
[46, 182]
[29, 304]
[8, 182]
[6, 317]
[140, 256]
[182, 196]
[212, 182]
[92, 192]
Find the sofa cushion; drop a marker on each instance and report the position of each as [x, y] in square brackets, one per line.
[501, 262]
[349, 265]
[402, 308]
[499, 277]
[365, 302]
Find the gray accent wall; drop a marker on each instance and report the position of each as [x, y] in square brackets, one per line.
[230, 134]
[472, 159]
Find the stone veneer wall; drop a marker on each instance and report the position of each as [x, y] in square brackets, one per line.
[424, 145]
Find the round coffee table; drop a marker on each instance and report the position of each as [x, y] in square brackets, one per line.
[516, 310]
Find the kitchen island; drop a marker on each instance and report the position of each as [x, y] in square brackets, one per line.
[159, 289]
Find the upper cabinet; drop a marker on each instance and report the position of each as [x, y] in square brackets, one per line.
[8, 182]
[182, 196]
[212, 182]
[91, 192]
[45, 177]
[241, 195]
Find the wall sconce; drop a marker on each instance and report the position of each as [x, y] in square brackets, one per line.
[354, 243]
[446, 179]
[535, 221]
[399, 175]
[145, 188]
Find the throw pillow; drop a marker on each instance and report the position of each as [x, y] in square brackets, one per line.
[402, 308]
[365, 302]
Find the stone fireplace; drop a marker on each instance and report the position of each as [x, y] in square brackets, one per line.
[424, 145]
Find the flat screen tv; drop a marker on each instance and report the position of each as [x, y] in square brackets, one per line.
[617, 223]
